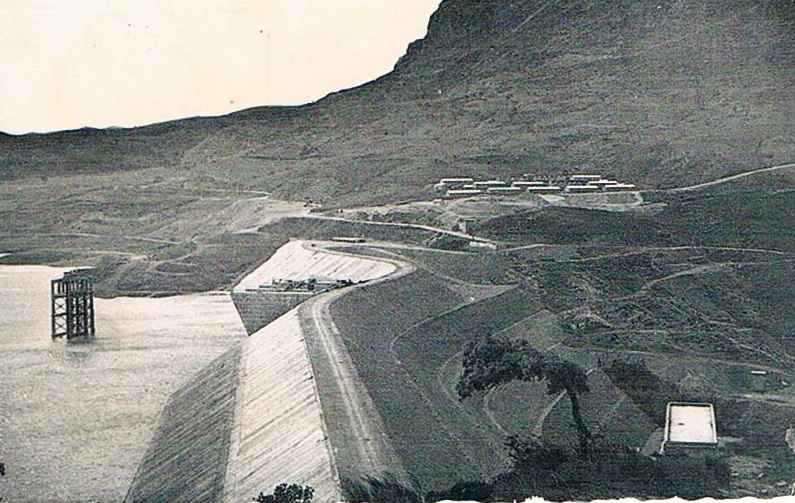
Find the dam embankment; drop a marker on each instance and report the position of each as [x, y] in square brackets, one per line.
[187, 457]
[278, 433]
[297, 260]
[261, 404]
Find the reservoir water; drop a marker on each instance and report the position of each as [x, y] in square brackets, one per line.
[75, 418]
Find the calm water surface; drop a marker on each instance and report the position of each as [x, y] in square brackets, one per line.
[75, 418]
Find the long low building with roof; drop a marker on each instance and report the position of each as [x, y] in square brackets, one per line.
[455, 187]
[504, 191]
[463, 192]
[578, 189]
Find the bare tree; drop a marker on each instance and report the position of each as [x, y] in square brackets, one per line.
[491, 363]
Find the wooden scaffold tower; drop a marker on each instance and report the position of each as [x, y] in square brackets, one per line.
[72, 298]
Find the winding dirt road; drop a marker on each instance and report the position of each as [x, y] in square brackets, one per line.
[365, 447]
[731, 178]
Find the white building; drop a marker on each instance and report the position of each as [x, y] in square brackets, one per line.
[543, 189]
[485, 184]
[689, 429]
[463, 193]
[504, 191]
[584, 178]
[521, 183]
[452, 183]
[456, 181]
[618, 187]
[582, 189]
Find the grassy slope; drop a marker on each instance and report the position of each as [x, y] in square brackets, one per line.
[399, 344]
[688, 328]
[747, 219]
[658, 92]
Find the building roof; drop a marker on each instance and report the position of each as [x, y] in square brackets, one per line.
[504, 189]
[690, 423]
[544, 187]
[521, 183]
[463, 192]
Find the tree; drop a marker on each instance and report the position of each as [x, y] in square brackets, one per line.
[491, 363]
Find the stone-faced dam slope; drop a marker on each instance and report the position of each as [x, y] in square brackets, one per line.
[353, 383]
[259, 404]
[297, 260]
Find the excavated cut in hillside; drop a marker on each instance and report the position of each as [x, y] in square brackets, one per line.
[662, 92]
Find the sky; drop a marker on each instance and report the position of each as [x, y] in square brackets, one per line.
[101, 63]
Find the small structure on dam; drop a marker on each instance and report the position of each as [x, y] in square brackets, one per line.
[72, 303]
[311, 284]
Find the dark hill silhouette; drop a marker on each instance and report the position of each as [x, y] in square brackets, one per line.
[661, 92]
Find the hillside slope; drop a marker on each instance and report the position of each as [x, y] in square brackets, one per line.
[661, 93]
[658, 91]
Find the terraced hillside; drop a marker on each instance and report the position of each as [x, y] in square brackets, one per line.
[700, 318]
[374, 367]
[662, 93]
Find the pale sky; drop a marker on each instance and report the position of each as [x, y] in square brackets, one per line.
[73, 63]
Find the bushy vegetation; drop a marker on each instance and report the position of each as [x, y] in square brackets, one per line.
[491, 363]
[287, 493]
[469, 490]
[610, 471]
[386, 488]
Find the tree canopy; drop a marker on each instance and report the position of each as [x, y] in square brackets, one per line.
[491, 363]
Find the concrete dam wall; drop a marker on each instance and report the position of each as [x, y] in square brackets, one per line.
[298, 260]
[278, 433]
[254, 418]
[186, 459]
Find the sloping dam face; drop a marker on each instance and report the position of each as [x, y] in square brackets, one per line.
[254, 418]
[186, 460]
[296, 260]
[278, 434]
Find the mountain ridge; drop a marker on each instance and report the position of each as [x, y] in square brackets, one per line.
[661, 92]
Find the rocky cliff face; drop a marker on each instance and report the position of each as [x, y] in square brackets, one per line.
[661, 92]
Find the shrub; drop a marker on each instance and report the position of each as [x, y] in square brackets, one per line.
[465, 490]
[529, 454]
[384, 489]
[284, 493]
